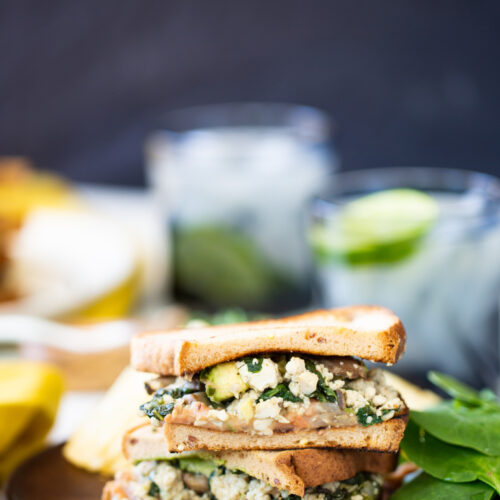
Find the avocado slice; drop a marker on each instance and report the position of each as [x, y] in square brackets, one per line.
[223, 382]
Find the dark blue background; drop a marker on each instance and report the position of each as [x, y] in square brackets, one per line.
[408, 82]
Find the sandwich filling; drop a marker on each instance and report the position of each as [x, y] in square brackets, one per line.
[179, 480]
[267, 394]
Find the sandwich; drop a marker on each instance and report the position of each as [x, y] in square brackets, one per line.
[293, 383]
[313, 474]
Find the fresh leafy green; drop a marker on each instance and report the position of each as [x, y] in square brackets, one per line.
[154, 490]
[254, 365]
[473, 427]
[448, 462]
[425, 487]
[462, 392]
[456, 443]
[280, 391]
[323, 393]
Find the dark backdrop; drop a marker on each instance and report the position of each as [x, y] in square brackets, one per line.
[408, 82]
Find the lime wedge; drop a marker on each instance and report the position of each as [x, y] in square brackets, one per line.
[222, 266]
[378, 228]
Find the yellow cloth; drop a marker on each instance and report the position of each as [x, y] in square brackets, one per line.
[29, 397]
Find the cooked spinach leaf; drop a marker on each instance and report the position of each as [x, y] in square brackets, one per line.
[425, 487]
[155, 409]
[323, 393]
[475, 427]
[254, 365]
[178, 392]
[448, 462]
[154, 490]
[367, 416]
[280, 391]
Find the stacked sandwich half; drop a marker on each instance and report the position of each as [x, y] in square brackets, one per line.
[267, 410]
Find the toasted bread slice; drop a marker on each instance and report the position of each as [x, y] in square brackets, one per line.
[290, 470]
[369, 332]
[383, 437]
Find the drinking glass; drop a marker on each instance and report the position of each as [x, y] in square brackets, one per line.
[234, 181]
[436, 265]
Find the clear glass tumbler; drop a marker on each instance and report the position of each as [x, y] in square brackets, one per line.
[430, 253]
[234, 181]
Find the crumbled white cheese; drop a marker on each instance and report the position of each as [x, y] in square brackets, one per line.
[268, 409]
[353, 399]
[145, 468]
[218, 414]
[370, 392]
[169, 480]
[336, 384]
[388, 415]
[267, 377]
[392, 404]
[325, 372]
[294, 367]
[302, 381]
[229, 486]
[379, 400]
[259, 490]
[263, 426]
[373, 392]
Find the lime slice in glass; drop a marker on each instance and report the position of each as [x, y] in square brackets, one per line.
[382, 227]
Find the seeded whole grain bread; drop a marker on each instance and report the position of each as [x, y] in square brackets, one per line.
[383, 437]
[369, 332]
[290, 470]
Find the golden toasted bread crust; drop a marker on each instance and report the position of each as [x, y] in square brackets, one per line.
[369, 332]
[290, 470]
[383, 437]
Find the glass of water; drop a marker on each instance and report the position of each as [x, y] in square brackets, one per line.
[234, 181]
[426, 243]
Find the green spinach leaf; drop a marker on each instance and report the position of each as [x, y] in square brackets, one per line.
[366, 416]
[179, 392]
[462, 392]
[155, 409]
[254, 365]
[154, 490]
[280, 391]
[448, 462]
[473, 427]
[323, 393]
[425, 487]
